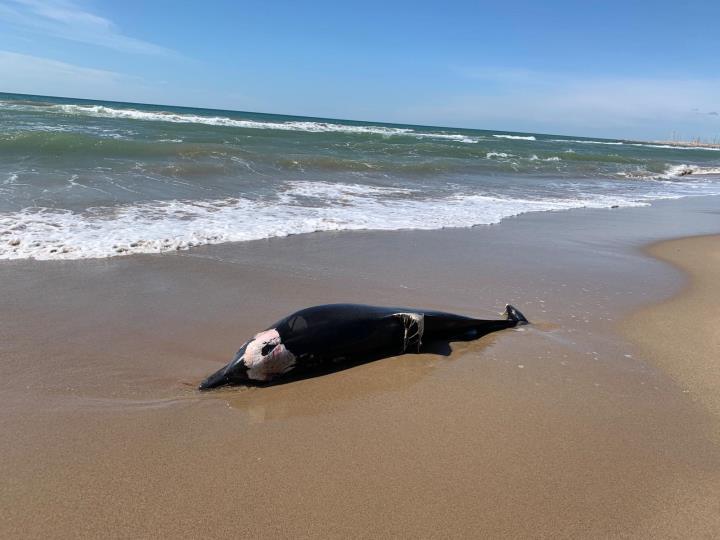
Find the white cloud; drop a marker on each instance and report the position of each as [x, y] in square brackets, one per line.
[67, 20]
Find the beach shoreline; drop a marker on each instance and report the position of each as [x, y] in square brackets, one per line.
[560, 429]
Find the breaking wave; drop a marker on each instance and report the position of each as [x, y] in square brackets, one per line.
[675, 172]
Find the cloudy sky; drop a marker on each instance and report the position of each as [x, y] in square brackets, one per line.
[616, 69]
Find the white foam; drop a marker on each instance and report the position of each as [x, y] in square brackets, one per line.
[491, 155]
[156, 227]
[516, 137]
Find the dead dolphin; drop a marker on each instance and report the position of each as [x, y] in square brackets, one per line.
[322, 338]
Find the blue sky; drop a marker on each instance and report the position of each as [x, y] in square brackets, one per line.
[617, 69]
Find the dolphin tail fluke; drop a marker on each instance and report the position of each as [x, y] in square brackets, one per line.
[514, 314]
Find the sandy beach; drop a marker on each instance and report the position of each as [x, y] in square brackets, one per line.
[218, 221]
[682, 334]
[595, 421]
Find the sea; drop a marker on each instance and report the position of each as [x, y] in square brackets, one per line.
[89, 179]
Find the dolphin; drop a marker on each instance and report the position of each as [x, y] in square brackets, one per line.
[323, 338]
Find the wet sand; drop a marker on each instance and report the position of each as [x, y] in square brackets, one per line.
[561, 429]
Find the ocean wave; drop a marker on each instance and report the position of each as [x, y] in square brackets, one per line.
[516, 137]
[156, 227]
[306, 126]
[673, 172]
[491, 155]
[578, 141]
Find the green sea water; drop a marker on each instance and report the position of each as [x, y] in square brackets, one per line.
[85, 178]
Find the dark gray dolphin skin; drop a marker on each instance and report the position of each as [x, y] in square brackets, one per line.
[324, 338]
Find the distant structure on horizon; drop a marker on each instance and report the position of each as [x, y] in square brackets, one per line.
[677, 140]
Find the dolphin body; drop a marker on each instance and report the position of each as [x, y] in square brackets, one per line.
[323, 338]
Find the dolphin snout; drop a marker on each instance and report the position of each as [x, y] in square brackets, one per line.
[219, 378]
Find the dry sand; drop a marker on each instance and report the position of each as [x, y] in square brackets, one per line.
[682, 335]
[561, 430]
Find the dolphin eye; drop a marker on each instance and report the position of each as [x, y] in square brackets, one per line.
[267, 348]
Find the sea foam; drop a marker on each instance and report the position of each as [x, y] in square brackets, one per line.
[156, 227]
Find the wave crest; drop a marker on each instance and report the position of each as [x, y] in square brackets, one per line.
[307, 126]
[516, 137]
